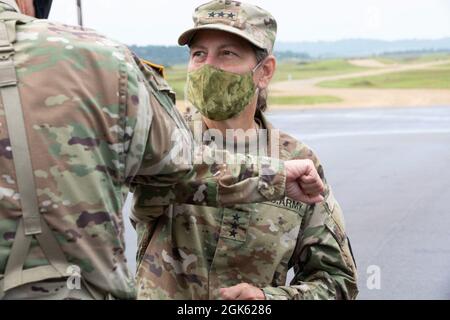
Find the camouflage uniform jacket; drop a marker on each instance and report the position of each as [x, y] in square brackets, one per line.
[189, 252]
[97, 120]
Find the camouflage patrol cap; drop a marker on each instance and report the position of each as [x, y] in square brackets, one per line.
[248, 21]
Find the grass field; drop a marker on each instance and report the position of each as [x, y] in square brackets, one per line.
[306, 70]
[176, 76]
[302, 100]
[409, 59]
[436, 78]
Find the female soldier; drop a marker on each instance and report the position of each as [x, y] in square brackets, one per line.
[245, 251]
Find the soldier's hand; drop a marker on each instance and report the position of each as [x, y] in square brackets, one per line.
[303, 182]
[243, 291]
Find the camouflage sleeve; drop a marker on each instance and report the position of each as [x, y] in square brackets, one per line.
[323, 262]
[173, 169]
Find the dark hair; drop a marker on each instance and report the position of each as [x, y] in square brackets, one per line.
[261, 104]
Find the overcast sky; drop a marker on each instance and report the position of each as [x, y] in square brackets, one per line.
[159, 22]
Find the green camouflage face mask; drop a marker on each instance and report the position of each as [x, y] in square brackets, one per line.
[220, 95]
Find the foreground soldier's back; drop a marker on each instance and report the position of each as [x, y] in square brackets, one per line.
[86, 125]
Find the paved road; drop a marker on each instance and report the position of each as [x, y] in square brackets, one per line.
[390, 172]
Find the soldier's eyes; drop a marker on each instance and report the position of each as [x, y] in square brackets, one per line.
[197, 54]
[229, 53]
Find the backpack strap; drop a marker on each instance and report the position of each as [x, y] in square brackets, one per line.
[32, 223]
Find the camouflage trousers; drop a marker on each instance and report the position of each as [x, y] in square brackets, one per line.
[55, 290]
